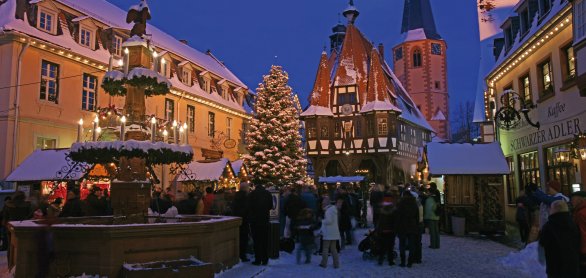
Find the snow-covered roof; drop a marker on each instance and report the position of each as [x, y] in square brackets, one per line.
[336, 179]
[43, 165]
[439, 116]
[414, 35]
[466, 159]
[314, 110]
[237, 165]
[378, 105]
[205, 171]
[113, 16]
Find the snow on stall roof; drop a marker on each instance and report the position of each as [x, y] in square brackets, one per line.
[466, 159]
[115, 17]
[138, 72]
[314, 110]
[43, 165]
[205, 171]
[378, 105]
[130, 145]
[237, 165]
[336, 179]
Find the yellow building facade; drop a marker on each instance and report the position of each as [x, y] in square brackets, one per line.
[53, 57]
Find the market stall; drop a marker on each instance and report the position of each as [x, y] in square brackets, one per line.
[200, 174]
[473, 188]
[240, 170]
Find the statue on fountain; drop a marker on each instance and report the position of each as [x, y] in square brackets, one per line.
[138, 14]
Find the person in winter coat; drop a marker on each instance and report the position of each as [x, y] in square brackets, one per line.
[240, 209]
[304, 227]
[159, 205]
[95, 203]
[432, 219]
[330, 232]
[208, 200]
[407, 227]
[522, 217]
[554, 189]
[219, 206]
[293, 206]
[578, 200]
[385, 232]
[260, 204]
[189, 205]
[310, 199]
[376, 199]
[54, 210]
[4, 230]
[344, 218]
[561, 240]
[17, 209]
[73, 206]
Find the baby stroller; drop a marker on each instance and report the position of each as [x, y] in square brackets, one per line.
[370, 248]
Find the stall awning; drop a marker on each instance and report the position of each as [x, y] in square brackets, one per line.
[237, 165]
[466, 159]
[204, 170]
[43, 165]
[340, 179]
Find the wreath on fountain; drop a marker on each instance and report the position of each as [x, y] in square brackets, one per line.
[109, 152]
[153, 83]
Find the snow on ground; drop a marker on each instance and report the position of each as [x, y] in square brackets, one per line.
[457, 257]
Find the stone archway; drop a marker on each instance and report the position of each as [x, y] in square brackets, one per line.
[369, 168]
[334, 168]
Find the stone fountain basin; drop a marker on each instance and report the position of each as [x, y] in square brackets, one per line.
[94, 245]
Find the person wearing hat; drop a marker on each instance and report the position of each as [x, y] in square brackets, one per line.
[554, 189]
[73, 206]
[578, 200]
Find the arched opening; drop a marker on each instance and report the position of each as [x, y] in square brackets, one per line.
[417, 58]
[333, 168]
[368, 169]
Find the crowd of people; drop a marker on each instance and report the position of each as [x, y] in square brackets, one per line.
[558, 224]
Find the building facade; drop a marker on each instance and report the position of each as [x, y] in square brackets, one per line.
[420, 63]
[360, 119]
[534, 101]
[53, 57]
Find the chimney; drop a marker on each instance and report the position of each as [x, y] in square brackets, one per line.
[381, 50]
[184, 42]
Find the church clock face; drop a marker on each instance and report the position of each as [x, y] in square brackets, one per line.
[436, 49]
[347, 109]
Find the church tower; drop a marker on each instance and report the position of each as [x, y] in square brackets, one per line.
[420, 63]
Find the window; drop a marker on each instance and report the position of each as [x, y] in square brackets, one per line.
[311, 131]
[459, 190]
[525, 21]
[568, 62]
[357, 127]
[117, 45]
[186, 77]
[45, 143]
[525, 89]
[49, 82]
[324, 132]
[529, 168]
[211, 124]
[243, 132]
[417, 58]
[437, 85]
[191, 118]
[544, 7]
[399, 53]
[164, 67]
[228, 127]
[85, 37]
[560, 170]
[169, 109]
[369, 127]
[382, 127]
[546, 78]
[88, 95]
[579, 20]
[512, 191]
[436, 49]
[338, 130]
[46, 21]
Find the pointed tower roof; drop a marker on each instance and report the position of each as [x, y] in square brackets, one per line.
[319, 101]
[418, 21]
[352, 65]
[379, 89]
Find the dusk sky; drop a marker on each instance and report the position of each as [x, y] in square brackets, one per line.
[247, 35]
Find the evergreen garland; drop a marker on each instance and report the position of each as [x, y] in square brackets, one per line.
[274, 141]
[151, 85]
[114, 87]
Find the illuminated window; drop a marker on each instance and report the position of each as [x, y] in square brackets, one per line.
[46, 21]
[211, 124]
[49, 82]
[191, 118]
[88, 97]
[382, 127]
[85, 38]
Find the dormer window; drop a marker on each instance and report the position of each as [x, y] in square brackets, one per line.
[85, 37]
[46, 21]
[164, 68]
[117, 45]
[186, 77]
[544, 7]
[525, 21]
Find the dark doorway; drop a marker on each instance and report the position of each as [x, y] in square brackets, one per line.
[368, 169]
[334, 169]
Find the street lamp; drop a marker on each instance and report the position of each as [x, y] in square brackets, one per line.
[562, 156]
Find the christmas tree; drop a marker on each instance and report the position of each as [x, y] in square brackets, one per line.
[274, 142]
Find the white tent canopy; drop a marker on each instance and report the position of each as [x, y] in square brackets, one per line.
[341, 179]
[204, 171]
[466, 159]
[43, 165]
[237, 165]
